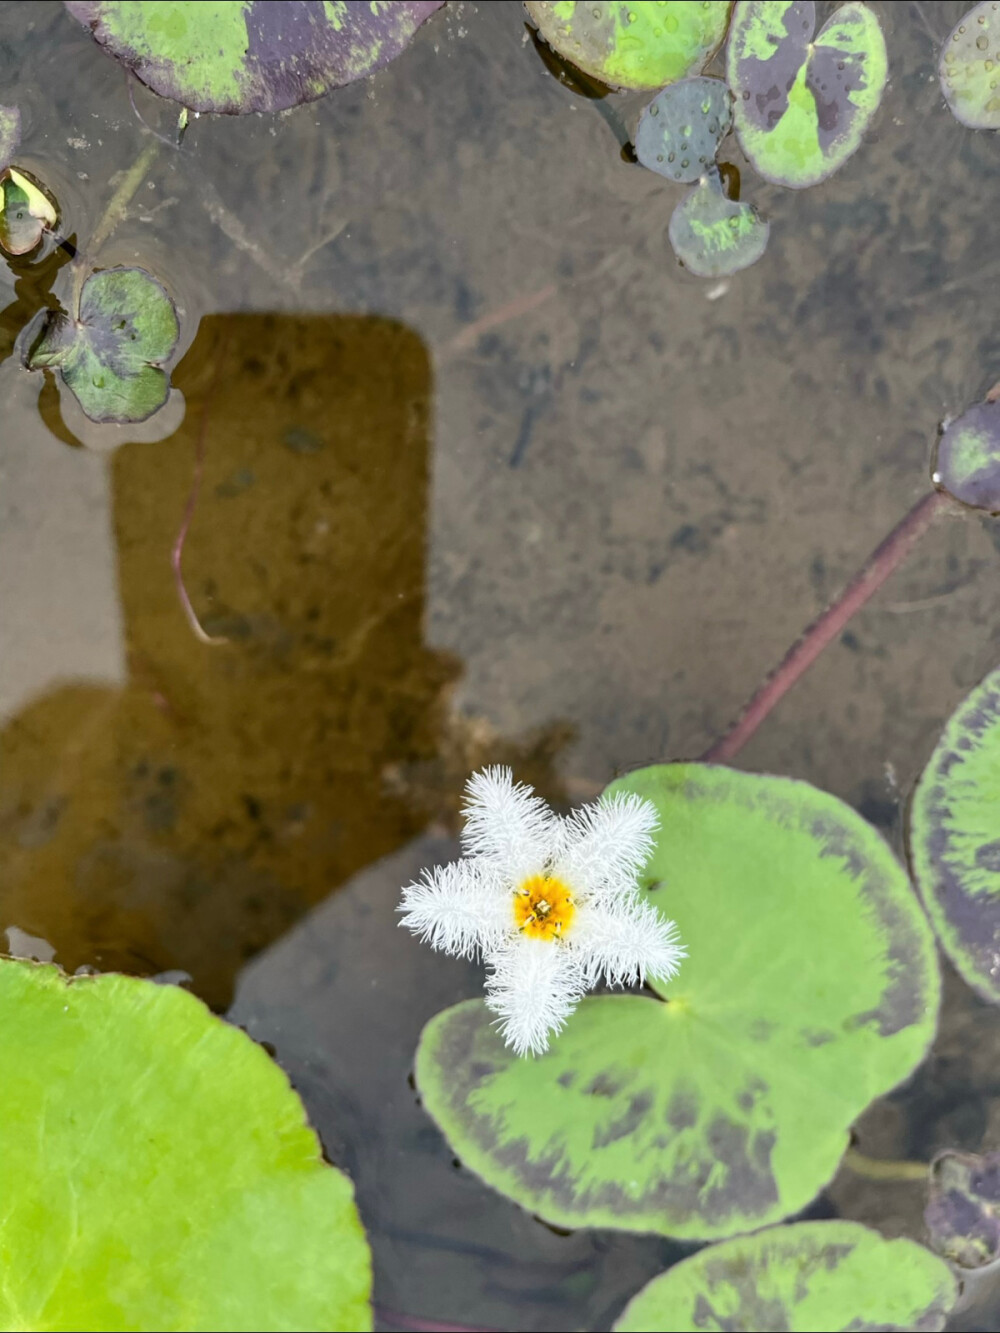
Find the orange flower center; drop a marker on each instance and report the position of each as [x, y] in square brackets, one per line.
[543, 908]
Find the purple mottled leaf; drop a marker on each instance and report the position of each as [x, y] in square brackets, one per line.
[962, 1212]
[968, 457]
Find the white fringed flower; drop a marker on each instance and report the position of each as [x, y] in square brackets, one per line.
[551, 904]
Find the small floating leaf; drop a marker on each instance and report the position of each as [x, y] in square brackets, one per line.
[215, 55]
[955, 838]
[970, 68]
[833, 1275]
[160, 1173]
[680, 131]
[10, 133]
[27, 211]
[810, 988]
[802, 106]
[714, 236]
[963, 1213]
[631, 45]
[967, 464]
[111, 356]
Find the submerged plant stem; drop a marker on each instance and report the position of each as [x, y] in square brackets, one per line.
[883, 561]
[113, 214]
[875, 1168]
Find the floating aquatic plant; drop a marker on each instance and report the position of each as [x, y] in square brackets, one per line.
[713, 235]
[215, 55]
[969, 68]
[967, 462]
[111, 354]
[838, 1276]
[631, 45]
[803, 102]
[27, 211]
[811, 988]
[963, 1211]
[680, 130]
[551, 904]
[160, 1173]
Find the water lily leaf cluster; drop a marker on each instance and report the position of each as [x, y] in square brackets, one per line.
[969, 67]
[963, 1211]
[234, 58]
[955, 837]
[111, 354]
[724, 1103]
[160, 1173]
[838, 1276]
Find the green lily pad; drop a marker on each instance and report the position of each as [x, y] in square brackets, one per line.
[631, 45]
[811, 987]
[802, 105]
[814, 1275]
[217, 55]
[970, 68]
[159, 1171]
[963, 1212]
[955, 838]
[967, 464]
[111, 355]
[10, 133]
[680, 131]
[713, 236]
[27, 211]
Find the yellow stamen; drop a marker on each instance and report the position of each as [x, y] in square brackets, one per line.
[543, 907]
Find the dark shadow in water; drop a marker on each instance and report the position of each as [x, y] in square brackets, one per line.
[185, 821]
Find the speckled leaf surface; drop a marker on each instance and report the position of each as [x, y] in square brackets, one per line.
[963, 1209]
[680, 131]
[803, 105]
[10, 133]
[714, 236]
[630, 45]
[834, 1276]
[159, 1171]
[955, 838]
[111, 356]
[811, 987]
[970, 67]
[233, 57]
[967, 464]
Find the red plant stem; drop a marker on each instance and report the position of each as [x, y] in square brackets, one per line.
[883, 561]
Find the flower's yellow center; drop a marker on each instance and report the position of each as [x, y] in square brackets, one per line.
[543, 908]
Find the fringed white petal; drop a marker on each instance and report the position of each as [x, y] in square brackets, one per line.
[461, 908]
[534, 986]
[625, 943]
[507, 824]
[604, 846]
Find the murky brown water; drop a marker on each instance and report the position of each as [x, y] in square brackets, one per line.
[486, 477]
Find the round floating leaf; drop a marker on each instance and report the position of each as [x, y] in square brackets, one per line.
[970, 68]
[680, 131]
[27, 211]
[813, 1275]
[10, 133]
[967, 465]
[714, 236]
[802, 106]
[215, 55]
[159, 1172]
[111, 355]
[631, 45]
[955, 838]
[811, 987]
[963, 1213]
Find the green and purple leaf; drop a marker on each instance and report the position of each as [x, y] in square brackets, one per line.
[838, 1276]
[963, 1212]
[234, 57]
[27, 211]
[970, 67]
[802, 104]
[159, 1170]
[630, 45]
[680, 131]
[967, 464]
[811, 987]
[954, 838]
[111, 355]
[714, 236]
